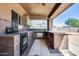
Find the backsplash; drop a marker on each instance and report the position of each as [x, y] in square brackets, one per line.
[3, 24]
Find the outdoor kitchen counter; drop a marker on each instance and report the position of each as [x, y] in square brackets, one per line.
[64, 32]
[10, 43]
[70, 41]
[14, 34]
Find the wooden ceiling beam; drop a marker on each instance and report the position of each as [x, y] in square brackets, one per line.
[60, 9]
[54, 9]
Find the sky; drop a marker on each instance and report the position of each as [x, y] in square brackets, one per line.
[72, 12]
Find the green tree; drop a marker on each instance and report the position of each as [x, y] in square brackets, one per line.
[72, 22]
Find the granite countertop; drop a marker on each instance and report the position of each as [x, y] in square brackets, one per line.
[13, 34]
[18, 33]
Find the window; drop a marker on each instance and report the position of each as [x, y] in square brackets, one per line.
[71, 12]
[38, 24]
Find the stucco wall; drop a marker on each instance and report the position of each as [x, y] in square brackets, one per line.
[60, 41]
[5, 10]
[64, 43]
[57, 40]
[5, 13]
[63, 29]
[50, 24]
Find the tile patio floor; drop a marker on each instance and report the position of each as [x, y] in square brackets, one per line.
[40, 48]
